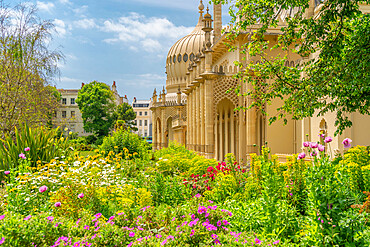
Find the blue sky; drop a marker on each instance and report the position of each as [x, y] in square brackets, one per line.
[126, 41]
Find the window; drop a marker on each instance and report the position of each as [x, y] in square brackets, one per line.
[140, 113]
[73, 113]
[146, 123]
[72, 128]
[146, 113]
[145, 134]
[73, 101]
[64, 114]
[64, 101]
[186, 57]
[140, 122]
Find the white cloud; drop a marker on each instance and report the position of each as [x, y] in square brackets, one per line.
[85, 23]
[152, 34]
[60, 27]
[71, 57]
[47, 7]
[65, 2]
[81, 10]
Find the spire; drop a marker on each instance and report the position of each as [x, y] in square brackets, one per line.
[201, 8]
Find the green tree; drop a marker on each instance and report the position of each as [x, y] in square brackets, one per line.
[96, 103]
[125, 112]
[27, 65]
[337, 80]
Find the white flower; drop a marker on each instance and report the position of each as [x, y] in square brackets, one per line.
[27, 199]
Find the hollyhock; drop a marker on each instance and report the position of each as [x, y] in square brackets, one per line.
[301, 156]
[328, 139]
[313, 145]
[27, 149]
[306, 144]
[7, 172]
[347, 143]
[321, 148]
[22, 155]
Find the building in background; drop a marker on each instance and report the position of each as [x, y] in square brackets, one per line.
[143, 117]
[69, 116]
[195, 109]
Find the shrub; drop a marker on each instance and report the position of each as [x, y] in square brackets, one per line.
[122, 140]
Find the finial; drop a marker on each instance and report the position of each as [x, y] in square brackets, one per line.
[179, 89]
[164, 92]
[201, 7]
[207, 9]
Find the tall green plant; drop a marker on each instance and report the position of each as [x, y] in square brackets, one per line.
[44, 145]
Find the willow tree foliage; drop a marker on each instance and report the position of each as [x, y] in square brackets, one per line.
[96, 103]
[27, 65]
[338, 80]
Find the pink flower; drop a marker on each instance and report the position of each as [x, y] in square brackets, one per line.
[86, 227]
[313, 154]
[27, 149]
[57, 204]
[301, 156]
[198, 195]
[2, 240]
[306, 144]
[192, 232]
[321, 148]
[81, 195]
[22, 155]
[43, 188]
[2, 217]
[276, 242]
[313, 145]
[131, 234]
[328, 139]
[158, 236]
[27, 217]
[7, 172]
[347, 143]
[257, 241]
[214, 236]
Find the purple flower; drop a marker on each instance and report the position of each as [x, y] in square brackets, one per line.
[291, 194]
[43, 188]
[27, 149]
[164, 242]
[97, 215]
[27, 217]
[347, 143]
[86, 227]
[57, 204]
[2, 217]
[81, 195]
[21, 155]
[50, 218]
[192, 232]
[313, 145]
[321, 148]
[2, 240]
[306, 144]
[301, 156]
[276, 242]
[202, 209]
[7, 172]
[328, 139]
[198, 195]
[131, 234]
[219, 223]
[322, 221]
[214, 236]
[158, 236]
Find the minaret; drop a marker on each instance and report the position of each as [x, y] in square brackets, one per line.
[155, 96]
[207, 28]
[217, 15]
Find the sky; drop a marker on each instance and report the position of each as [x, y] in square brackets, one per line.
[126, 41]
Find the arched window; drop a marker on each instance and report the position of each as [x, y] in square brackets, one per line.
[174, 59]
[186, 57]
[179, 57]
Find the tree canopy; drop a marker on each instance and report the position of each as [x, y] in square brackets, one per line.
[336, 80]
[27, 65]
[125, 112]
[96, 103]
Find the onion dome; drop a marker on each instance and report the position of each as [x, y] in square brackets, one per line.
[182, 53]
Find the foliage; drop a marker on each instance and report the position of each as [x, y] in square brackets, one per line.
[123, 140]
[110, 198]
[27, 65]
[44, 145]
[96, 103]
[125, 113]
[333, 42]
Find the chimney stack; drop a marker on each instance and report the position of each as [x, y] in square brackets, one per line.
[82, 85]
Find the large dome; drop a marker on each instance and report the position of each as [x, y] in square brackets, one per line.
[181, 53]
